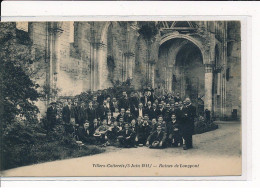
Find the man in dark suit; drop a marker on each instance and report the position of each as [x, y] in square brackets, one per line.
[145, 99]
[128, 117]
[102, 111]
[81, 114]
[121, 115]
[91, 112]
[178, 112]
[153, 125]
[108, 103]
[162, 123]
[143, 132]
[114, 105]
[133, 125]
[173, 132]
[66, 113]
[124, 101]
[100, 97]
[110, 119]
[100, 133]
[177, 98]
[148, 109]
[153, 112]
[160, 110]
[126, 137]
[94, 125]
[133, 100]
[140, 111]
[168, 113]
[157, 139]
[150, 93]
[187, 123]
[51, 115]
[95, 103]
[112, 133]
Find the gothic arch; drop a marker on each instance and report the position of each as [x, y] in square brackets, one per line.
[187, 37]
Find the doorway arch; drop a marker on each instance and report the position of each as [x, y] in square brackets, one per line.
[181, 68]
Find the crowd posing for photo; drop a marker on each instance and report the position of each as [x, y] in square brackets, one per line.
[157, 121]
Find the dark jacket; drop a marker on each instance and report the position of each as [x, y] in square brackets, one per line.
[91, 114]
[155, 136]
[80, 115]
[102, 112]
[187, 119]
[110, 120]
[127, 133]
[113, 106]
[66, 114]
[51, 114]
[160, 112]
[170, 128]
[124, 103]
[143, 131]
[149, 111]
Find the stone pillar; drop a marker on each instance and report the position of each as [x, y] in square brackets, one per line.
[129, 64]
[58, 32]
[208, 87]
[152, 72]
[101, 63]
[54, 32]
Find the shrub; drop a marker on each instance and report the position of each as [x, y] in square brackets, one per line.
[201, 126]
[27, 143]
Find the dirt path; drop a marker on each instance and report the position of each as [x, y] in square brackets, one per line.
[216, 152]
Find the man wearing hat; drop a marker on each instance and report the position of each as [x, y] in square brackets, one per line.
[157, 138]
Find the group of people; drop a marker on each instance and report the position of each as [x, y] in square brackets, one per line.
[129, 120]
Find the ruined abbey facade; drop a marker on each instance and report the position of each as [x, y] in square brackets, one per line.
[200, 60]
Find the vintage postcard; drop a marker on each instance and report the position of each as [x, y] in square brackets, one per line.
[121, 98]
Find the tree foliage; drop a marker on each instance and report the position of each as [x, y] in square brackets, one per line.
[18, 91]
[148, 30]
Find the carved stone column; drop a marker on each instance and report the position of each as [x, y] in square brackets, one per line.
[208, 86]
[129, 64]
[54, 33]
[101, 66]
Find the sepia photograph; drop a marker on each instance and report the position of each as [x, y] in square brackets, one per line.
[121, 98]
